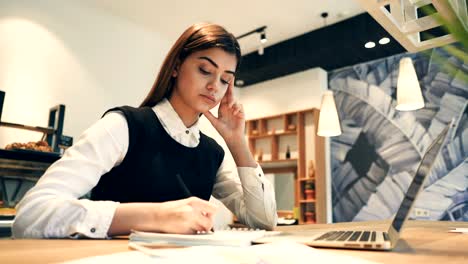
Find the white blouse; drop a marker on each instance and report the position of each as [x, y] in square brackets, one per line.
[52, 209]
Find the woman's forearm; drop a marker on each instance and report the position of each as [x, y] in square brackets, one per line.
[136, 216]
[241, 153]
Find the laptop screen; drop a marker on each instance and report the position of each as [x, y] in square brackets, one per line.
[418, 180]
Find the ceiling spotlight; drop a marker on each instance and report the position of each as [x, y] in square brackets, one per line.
[369, 45]
[324, 15]
[239, 82]
[384, 41]
[263, 38]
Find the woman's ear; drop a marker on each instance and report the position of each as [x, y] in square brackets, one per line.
[176, 70]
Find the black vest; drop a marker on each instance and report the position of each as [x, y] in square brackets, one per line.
[147, 173]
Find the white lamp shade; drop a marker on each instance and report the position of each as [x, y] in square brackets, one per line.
[329, 123]
[409, 96]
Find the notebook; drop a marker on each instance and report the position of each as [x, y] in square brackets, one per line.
[228, 237]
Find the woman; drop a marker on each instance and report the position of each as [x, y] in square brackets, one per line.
[150, 168]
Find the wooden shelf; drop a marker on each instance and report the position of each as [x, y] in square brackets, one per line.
[46, 130]
[307, 179]
[307, 201]
[278, 163]
[285, 133]
[279, 166]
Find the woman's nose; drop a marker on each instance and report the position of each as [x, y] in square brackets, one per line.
[212, 85]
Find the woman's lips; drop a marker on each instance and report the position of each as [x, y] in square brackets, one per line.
[209, 97]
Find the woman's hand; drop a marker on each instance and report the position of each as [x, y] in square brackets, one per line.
[230, 122]
[186, 216]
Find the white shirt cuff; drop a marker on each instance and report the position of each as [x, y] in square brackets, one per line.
[97, 220]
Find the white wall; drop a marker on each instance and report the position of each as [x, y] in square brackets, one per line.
[64, 53]
[293, 92]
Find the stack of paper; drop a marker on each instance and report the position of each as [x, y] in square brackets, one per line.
[218, 238]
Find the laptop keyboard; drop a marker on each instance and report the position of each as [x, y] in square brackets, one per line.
[361, 236]
[385, 237]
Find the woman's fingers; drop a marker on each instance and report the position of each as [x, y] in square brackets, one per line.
[203, 206]
[203, 222]
[203, 212]
[238, 110]
[228, 98]
[186, 216]
[235, 108]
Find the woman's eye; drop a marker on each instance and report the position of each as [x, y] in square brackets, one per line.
[224, 81]
[203, 71]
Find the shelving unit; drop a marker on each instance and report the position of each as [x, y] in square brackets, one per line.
[269, 137]
[21, 169]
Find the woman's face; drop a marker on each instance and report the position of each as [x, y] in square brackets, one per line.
[203, 78]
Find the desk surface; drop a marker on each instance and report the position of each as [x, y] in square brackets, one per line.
[421, 242]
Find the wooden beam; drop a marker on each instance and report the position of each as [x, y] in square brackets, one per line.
[436, 42]
[394, 22]
[384, 2]
[420, 3]
[421, 24]
[411, 14]
[397, 12]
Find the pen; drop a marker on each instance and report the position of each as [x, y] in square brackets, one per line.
[183, 186]
[187, 192]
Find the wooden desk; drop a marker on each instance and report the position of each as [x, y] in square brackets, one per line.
[422, 242]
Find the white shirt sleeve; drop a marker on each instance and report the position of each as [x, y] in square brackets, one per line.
[52, 208]
[250, 196]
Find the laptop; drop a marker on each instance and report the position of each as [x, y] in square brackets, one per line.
[372, 239]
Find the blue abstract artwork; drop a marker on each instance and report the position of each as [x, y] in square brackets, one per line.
[375, 158]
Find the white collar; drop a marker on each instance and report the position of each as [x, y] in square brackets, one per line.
[174, 126]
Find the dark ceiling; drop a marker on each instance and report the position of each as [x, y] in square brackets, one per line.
[331, 47]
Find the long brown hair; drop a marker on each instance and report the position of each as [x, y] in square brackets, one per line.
[197, 37]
